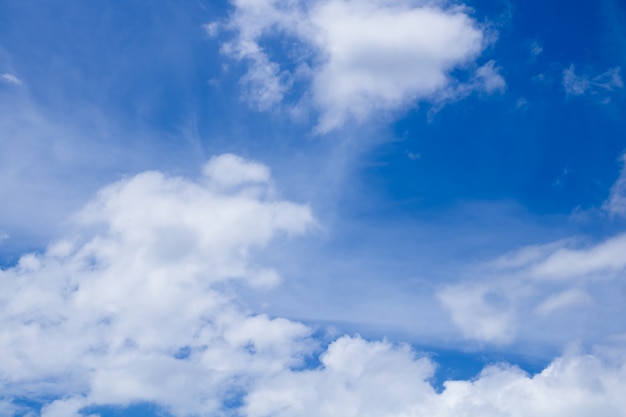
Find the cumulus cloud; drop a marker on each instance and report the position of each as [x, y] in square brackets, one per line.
[357, 58]
[138, 307]
[139, 311]
[211, 29]
[580, 84]
[378, 379]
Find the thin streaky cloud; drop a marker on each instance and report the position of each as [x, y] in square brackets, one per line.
[577, 84]
[10, 79]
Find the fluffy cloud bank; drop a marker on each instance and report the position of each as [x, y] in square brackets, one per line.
[140, 306]
[357, 58]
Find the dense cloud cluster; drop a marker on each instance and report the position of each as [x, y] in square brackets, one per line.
[137, 307]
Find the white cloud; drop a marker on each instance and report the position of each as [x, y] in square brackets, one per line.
[604, 258]
[486, 79]
[480, 312]
[565, 299]
[105, 316]
[536, 48]
[511, 297]
[211, 29]
[521, 104]
[574, 84]
[519, 295]
[616, 203]
[379, 379]
[357, 378]
[140, 308]
[359, 58]
[581, 84]
[10, 79]
[228, 170]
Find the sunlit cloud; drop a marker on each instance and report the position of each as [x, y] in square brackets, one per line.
[358, 59]
[137, 308]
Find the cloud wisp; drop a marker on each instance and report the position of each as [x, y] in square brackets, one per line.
[356, 59]
[140, 308]
[615, 205]
[532, 293]
[543, 286]
[10, 79]
[582, 84]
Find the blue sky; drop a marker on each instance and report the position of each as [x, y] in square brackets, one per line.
[312, 208]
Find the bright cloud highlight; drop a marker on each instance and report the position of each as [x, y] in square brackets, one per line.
[140, 310]
[358, 58]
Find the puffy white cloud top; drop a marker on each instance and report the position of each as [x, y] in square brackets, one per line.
[358, 57]
[137, 307]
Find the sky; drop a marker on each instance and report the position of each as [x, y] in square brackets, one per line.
[257, 208]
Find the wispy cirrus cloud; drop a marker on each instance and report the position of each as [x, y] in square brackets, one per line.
[511, 297]
[357, 59]
[578, 84]
[540, 285]
[10, 79]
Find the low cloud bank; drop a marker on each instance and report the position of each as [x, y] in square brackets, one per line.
[139, 305]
